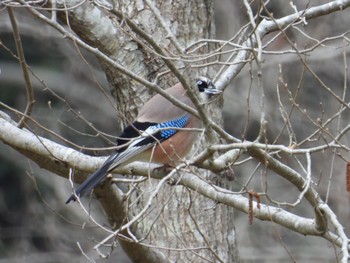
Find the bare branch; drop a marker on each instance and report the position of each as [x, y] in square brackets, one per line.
[22, 62]
[268, 26]
[59, 155]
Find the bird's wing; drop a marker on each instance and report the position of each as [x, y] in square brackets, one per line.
[155, 133]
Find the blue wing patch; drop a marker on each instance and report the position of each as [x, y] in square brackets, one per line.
[161, 131]
[176, 123]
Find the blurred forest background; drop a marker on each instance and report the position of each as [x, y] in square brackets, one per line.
[36, 225]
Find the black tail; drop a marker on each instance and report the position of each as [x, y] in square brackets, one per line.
[90, 183]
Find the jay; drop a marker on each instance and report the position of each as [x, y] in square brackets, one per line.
[160, 134]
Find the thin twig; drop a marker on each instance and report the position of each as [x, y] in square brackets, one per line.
[22, 62]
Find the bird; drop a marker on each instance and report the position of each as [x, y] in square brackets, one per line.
[157, 134]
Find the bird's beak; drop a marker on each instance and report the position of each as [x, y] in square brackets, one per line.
[212, 90]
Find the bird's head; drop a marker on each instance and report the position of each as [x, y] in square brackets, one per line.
[206, 88]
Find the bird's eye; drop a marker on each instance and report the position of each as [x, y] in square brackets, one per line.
[202, 85]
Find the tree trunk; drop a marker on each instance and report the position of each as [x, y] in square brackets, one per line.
[179, 219]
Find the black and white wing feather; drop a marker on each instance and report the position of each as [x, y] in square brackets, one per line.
[136, 142]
